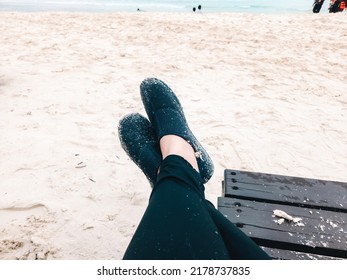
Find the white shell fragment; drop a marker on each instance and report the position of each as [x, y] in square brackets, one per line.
[279, 221]
[284, 216]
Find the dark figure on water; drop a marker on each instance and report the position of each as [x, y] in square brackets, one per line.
[337, 6]
[317, 5]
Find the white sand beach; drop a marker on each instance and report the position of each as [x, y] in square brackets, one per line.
[264, 93]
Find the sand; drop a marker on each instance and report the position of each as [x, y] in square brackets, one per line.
[264, 93]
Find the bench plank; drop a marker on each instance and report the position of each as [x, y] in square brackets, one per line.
[293, 255]
[322, 229]
[313, 193]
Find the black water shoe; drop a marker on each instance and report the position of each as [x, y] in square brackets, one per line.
[166, 116]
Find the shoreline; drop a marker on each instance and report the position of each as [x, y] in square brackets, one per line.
[100, 6]
[303, 12]
[189, 15]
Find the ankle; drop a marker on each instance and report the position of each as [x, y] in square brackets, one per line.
[175, 145]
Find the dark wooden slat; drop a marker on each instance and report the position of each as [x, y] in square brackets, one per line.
[293, 255]
[325, 231]
[313, 193]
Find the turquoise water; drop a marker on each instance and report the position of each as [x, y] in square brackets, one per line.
[208, 6]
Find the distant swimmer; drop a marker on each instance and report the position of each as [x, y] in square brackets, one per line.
[317, 5]
[199, 9]
[337, 6]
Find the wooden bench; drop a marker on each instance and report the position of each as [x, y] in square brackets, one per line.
[318, 228]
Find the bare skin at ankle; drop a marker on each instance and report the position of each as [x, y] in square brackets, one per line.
[175, 145]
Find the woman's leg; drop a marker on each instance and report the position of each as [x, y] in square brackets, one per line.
[177, 223]
[239, 245]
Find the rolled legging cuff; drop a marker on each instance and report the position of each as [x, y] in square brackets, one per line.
[176, 168]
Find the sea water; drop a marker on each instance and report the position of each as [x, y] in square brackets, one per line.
[208, 6]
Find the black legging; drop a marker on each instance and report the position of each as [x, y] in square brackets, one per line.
[180, 224]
